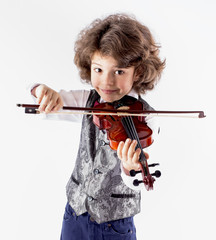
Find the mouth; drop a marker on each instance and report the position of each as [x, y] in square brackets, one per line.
[107, 91]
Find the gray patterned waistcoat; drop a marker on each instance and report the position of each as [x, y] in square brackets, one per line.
[95, 185]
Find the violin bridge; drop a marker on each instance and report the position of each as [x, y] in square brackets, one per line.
[125, 108]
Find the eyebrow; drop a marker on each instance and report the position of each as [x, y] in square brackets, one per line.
[113, 66]
[96, 63]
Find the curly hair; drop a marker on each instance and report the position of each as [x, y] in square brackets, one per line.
[126, 40]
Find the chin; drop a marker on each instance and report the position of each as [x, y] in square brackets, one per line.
[110, 99]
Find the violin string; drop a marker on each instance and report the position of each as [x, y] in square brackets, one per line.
[142, 158]
[130, 127]
[132, 133]
[127, 128]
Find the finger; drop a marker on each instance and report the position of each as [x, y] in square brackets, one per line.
[59, 104]
[119, 150]
[44, 103]
[40, 97]
[146, 155]
[57, 107]
[135, 159]
[55, 103]
[126, 148]
[52, 103]
[40, 93]
[50, 106]
[131, 149]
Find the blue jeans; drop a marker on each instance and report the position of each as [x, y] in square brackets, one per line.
[84, 227]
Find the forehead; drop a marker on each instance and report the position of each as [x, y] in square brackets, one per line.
[103, 60]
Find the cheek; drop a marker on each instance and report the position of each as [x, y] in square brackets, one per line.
[127, 84]
[94, 82]
[93, 79]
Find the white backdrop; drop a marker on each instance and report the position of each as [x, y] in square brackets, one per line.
[37, 156]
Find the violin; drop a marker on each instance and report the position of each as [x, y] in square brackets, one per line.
[121, 120]
[119, 128]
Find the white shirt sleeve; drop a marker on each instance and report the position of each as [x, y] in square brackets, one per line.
[128, 180]
[152, 123]
[75, 98]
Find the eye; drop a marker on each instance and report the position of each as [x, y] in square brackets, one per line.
[97, 70]
[119, 72]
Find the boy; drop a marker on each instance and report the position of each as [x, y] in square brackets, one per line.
[118, 57]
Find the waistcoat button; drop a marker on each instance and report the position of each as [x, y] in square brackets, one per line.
[102, 143]
[90, 199]
[96, 171]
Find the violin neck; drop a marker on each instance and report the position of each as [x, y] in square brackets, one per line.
[130, 129]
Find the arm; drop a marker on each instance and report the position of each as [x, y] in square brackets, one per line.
[51, 101]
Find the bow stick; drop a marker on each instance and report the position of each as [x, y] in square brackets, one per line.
[33, 108]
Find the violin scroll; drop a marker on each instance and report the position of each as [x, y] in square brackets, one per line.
[147, 181]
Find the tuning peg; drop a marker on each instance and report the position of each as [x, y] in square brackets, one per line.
[156, 174]
[136, 182]
[133, 172]
[153, 164]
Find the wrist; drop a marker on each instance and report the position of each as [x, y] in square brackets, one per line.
[33, 89]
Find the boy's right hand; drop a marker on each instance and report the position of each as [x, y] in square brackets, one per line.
[49, 100]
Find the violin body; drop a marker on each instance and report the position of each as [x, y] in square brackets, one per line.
[115, 129]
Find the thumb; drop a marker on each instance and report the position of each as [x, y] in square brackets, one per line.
[146, 155]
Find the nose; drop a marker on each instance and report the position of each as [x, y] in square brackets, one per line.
[108, 79]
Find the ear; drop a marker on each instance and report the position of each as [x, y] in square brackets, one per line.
[136, 77]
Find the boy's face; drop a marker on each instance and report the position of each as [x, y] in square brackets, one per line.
[109, 80]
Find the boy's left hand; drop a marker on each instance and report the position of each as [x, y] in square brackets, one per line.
[129, 156]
